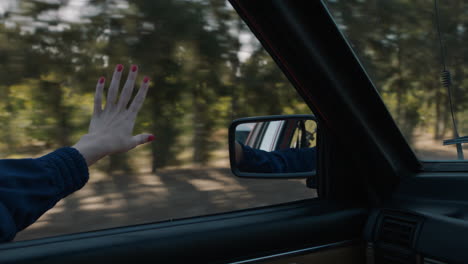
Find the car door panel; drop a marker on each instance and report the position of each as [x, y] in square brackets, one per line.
[219, 238]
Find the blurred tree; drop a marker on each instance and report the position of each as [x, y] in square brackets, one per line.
[54, 52]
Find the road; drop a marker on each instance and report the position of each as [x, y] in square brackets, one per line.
[118, 200]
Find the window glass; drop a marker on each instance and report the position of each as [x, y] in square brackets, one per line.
[310, 131]
[268, 138]
[206, 69]
[404, 46]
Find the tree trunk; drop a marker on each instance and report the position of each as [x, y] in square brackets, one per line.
[199, 134]
[56, 108]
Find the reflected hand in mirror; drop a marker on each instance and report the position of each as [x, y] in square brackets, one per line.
[283, 146]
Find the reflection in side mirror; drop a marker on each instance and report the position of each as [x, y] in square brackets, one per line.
[274, 146]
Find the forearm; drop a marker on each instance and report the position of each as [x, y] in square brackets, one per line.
[255, 160]
[283, 161]
[30, 187]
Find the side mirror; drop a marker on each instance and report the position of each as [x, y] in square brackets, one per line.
[273, 146]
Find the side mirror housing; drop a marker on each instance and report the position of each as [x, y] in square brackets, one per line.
[274, 147]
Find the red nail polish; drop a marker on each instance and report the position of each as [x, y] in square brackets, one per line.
[101, 80]
[134, 68]
[146, 79]
[119, 67]
[150, 138]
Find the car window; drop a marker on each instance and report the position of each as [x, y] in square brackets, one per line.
[306, 137]
[207, 69]
[270, 135]
[409, 48]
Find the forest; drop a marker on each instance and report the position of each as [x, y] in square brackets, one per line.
[404, 46]
[207, 69]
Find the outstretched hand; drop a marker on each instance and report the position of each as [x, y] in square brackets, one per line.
[111, 128]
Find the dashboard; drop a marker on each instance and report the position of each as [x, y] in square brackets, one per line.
[422, 223]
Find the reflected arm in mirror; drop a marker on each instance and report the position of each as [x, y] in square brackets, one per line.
[280, 161]
[239, 153]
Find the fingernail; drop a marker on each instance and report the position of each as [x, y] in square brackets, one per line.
[119, 67]
[150, 138]
[146, 79]
[101, 80]
[134, 68]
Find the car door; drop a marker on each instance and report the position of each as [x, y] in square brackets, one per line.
[352, 175]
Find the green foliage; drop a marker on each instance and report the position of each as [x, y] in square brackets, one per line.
[189, 49]
[398, 44]
[52, 55]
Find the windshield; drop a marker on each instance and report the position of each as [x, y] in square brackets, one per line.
[416, 54]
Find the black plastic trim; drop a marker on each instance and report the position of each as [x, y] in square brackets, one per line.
[445, 166]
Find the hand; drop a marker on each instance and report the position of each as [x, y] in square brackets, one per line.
[110, 130]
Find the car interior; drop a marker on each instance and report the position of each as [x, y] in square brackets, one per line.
[377, 202]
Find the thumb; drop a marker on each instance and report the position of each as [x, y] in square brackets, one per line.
[142, 139]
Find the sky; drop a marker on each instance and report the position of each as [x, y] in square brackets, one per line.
[76, 11]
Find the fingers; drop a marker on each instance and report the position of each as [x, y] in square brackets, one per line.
[139, 98]
[98, 96]
[128, 88]
[141, 139]
[114, 86]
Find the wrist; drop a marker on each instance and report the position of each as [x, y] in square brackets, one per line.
[88, 146]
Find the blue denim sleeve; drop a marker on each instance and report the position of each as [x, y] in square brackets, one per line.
[30, 187]
[280, 161]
